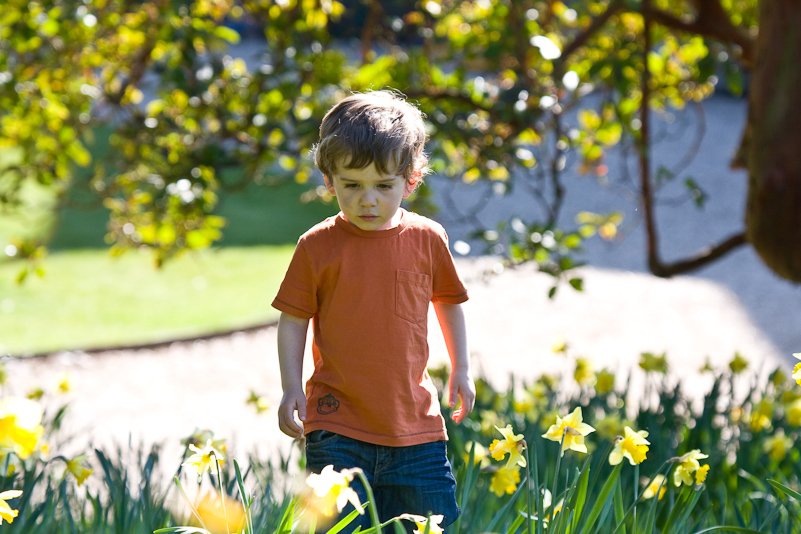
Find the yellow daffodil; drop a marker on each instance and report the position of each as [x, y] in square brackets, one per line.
[332, 489]
[20, 425]
[686, 466]
[221, 516]
[559, 346]
[480, 454]
[35, 394]
[707, 368]
[204, 458]
[632, 445]
[505, 480]
[652, 363]
[489, 420]
[546, 503]
[512, 444]
[762, 416]
[200, 437]
[777, 445]
[77, 467]
[738, 364]
[793, 413]
[605, 381]
[797, 369]
[700, 474]
[584, 374]
[573, 428]
[260, 403]
[64, 385]
[657, 484]
[610, 426]
[6, 512]
[433, 523]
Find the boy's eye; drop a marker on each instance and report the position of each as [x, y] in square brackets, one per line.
[385, 186]
[351, 186]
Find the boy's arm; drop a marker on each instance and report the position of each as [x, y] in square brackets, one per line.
[291, 345]
[452, 323]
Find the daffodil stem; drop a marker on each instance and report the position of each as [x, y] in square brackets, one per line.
[528, 492]
[222, 496]
[370, 497]
[556, 473]
[636, 496]
[634, 504]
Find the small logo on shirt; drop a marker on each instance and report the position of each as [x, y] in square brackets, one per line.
[327, 405]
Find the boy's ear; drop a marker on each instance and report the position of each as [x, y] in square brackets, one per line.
[411, 184]
[329, 185]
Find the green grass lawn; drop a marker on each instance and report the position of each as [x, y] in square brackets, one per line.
[87, 299]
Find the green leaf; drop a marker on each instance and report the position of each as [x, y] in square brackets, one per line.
[577, 283]
[784, 489]
[230, 35]
[603, 498]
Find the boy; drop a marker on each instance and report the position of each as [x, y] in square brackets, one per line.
[366, 277]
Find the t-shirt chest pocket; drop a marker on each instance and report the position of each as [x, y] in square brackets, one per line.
[412, 295]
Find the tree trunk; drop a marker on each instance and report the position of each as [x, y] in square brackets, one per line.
[773, 150]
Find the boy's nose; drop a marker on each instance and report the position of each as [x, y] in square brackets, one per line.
[368, 198]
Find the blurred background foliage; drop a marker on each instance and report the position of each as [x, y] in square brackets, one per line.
[133, 124]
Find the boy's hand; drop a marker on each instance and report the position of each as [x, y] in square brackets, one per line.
[461, 386]
[292, 401]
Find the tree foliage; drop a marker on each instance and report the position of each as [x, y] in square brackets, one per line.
[517, 92]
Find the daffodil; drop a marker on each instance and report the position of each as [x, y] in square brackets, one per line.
[632, 445]
[221, 515]
[511, 443]
[793, 413]
[572, 429]
[20, 425]
[200, 437]
[777, 445]
[332, 489]
[505, 480]
[77, 467]
[762, 416]
[547, 500]
[687, 465]
[259, 402]
[433, 523]
[6, 512]
[559, 346]
[738, 364]
[700, 474]
[797, 369]
[480, 454]
[656, 485]
[584, 374]
[64, 385]
[605, 381]
[204, 458]
[610, 426]
[652, 363]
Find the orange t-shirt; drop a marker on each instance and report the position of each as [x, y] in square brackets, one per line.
[368, 294]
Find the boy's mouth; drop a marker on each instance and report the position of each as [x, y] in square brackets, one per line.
[368, 218]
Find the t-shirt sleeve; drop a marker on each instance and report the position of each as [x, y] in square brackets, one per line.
[448, 286]
[297, 295]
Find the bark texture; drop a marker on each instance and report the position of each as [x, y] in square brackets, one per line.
[773, 151]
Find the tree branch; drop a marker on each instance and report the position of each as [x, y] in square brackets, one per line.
[707, 255]
[615, 7]
[711, 21]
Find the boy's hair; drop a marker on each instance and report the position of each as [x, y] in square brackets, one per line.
[378, 127]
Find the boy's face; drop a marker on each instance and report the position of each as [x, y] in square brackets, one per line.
[369, 200]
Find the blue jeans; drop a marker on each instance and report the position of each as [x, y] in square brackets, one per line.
[416, 479]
